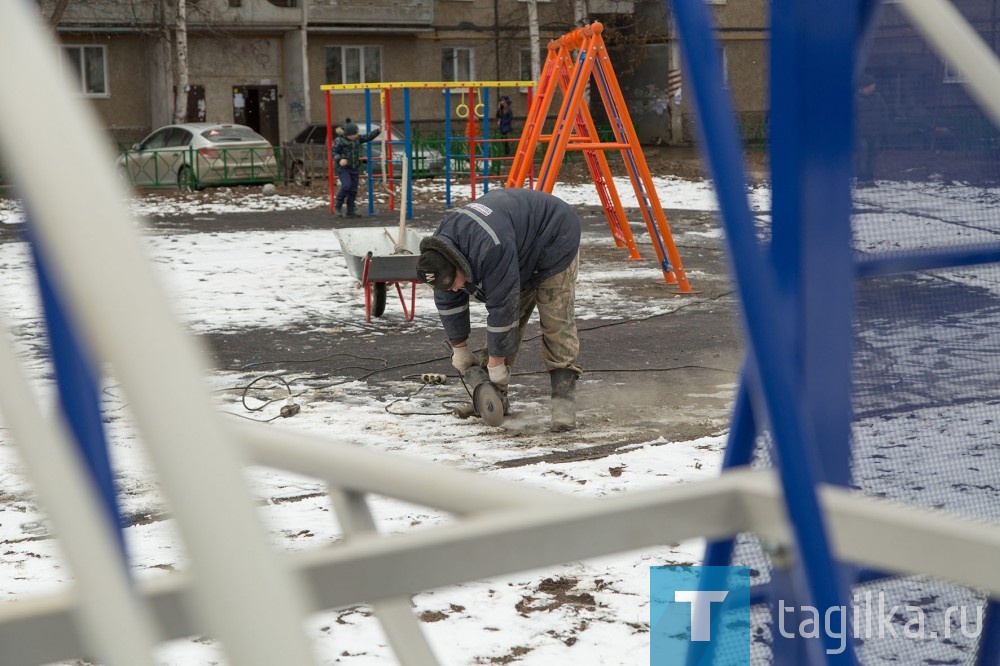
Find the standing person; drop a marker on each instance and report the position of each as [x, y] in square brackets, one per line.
[505, 122]
[871, 119]
[347, 160]
[514, 250]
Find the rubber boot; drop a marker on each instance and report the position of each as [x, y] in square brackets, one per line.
[563, 399]
[351, 212]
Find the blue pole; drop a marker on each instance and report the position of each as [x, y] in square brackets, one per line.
[368, 152]
[76, 382]
[989, 643]
[447, 147]
[408, 128]
[770, 326]
[739, 451]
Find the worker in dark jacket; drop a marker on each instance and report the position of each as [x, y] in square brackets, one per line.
[514, 250]
[347, 161]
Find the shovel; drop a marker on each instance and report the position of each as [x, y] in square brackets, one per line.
[398, 246]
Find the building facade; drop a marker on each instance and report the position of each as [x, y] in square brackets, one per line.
[262, 62]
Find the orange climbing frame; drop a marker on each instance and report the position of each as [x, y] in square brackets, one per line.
[572, 61]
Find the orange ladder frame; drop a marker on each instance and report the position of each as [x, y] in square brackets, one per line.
[575, 130]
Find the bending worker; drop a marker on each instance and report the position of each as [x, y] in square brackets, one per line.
[512, 249]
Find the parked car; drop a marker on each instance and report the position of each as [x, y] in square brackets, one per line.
[193, 155]
[306, 158]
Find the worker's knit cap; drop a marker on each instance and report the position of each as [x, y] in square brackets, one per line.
[435, 269]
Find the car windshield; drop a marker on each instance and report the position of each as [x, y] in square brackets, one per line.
[231, 134]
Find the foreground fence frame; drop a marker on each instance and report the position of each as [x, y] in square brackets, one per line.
[498, 536]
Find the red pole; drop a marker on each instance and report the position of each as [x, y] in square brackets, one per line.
[331, 179]
[388, 151]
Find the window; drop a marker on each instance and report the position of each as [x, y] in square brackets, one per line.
[524, 64]
[89, 68]
[353, 64]
[178, 137]
[457, 64]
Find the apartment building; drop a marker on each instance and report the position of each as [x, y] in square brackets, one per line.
[263, 62]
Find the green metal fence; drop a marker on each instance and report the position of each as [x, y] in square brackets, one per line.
[190, 169]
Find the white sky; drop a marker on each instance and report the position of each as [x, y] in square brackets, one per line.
[233, 281]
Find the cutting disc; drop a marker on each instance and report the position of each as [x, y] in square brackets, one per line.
[489, 403]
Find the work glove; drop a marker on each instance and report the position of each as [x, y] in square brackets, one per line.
[500, 375]
[462, 359]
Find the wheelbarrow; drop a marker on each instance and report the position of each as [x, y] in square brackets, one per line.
[377, 258]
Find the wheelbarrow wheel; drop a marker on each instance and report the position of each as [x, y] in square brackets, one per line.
[378, 292]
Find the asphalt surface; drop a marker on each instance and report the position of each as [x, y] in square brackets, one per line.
[660, 377]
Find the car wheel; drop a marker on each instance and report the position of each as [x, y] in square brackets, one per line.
[299, 176]
[378, 298]
[186, 180]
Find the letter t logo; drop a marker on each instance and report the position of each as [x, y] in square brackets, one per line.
[701, 610]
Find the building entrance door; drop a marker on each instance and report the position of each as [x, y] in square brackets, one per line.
[257, 108]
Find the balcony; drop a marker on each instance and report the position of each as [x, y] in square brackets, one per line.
[371, 13]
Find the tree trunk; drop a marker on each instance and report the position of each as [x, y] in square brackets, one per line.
[580, 14]
[180, 63]
[533, 41]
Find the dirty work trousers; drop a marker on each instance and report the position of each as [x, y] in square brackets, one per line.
[555, 299]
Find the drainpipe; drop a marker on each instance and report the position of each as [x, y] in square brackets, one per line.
[676, 126]
[305, 60]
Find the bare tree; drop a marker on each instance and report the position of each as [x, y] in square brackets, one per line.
[180, 62]
[533, 41]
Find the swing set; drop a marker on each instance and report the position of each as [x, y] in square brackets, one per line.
[571, 62]
[474, 147]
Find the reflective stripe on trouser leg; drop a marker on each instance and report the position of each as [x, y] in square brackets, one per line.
[555, 299]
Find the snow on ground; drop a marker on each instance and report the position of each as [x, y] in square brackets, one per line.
[218, 283]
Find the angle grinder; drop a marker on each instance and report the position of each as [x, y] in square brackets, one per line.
[488, 401]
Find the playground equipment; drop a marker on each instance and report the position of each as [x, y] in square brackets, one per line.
[823, 533]
[473, 148]
[571, 62]
[462, 110]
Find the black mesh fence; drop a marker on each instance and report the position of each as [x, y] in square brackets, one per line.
[926, 400]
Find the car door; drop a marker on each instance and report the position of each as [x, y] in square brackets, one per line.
[142, 163]
[175, 155]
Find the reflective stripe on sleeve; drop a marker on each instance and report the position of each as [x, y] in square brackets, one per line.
[501, 329]
[453, 311]
[482, 223]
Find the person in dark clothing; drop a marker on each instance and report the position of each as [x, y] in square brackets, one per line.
[346, 152]
[871, 119]
[505, 122]
[514, 250]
